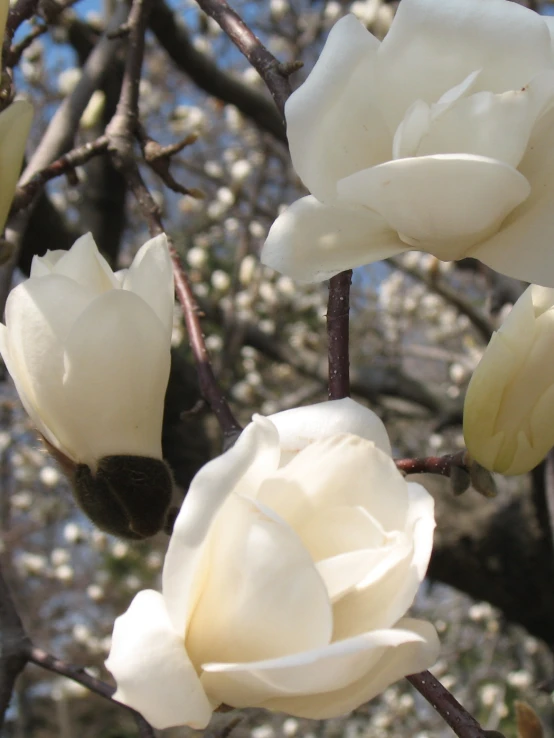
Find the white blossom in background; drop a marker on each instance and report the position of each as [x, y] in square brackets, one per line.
[509, 404]
[88, 350]
[438, 139]
[293, 561]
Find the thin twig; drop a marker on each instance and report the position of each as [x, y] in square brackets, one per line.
[433, 464]
[25, 195]
[448, 707]
[14, 646]
[121, 132]
[274, 74]
[20, 12]
[338, 315]
[78, 674]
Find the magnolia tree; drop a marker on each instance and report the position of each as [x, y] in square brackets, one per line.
[247, 530]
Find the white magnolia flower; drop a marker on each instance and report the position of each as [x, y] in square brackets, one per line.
[509, 404]
[89, 350]
[15, 124]
[293, 561]
[440, 139]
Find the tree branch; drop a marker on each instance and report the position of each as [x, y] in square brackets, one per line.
[14, 647]
[204, 72]
[268, 67]
[338, 316]
[448, 707]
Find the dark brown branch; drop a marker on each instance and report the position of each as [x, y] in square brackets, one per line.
[173, 36]
[20, 12]
[434, 464]
[77, 674]
[14, 646]
[448, 707]
[338, 316]
[25, 195]
[268, 67]
[121, 132]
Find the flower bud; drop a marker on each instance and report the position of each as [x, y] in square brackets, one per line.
[89, 352]
[15, 122]
[509, 404]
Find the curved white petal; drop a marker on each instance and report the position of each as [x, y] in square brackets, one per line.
[15, 124]
[312, 242]
[86, 265]
[300, 426]
[522, 248]
[341, 470]
[116, 372]
[431, 47]
[254, 455]
[333, 125]
[483, 124]
[263, 597]
[443, 204]
[19, 380]
[420, 525]
[151, 277]
[40, 314]
[151, 667]
[42, 266]
[330, 681]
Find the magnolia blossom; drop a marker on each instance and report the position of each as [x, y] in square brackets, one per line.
[509, 404]
[89, 350]
[15, 123]
[292, 563]
[440, 139]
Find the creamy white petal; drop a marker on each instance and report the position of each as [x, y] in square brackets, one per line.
[433, 46]
[151, 277]
[420, 525]
[15, 124]
[263, 596]
[485, 124]
[428, 199]
[522, 248]
[338, 471]
[86, 265]
[339, 529]
[312, 242]
[40, 314]
[254, 455]
[41, 266]
[483, 399]
[334, 127]
[151, 667]
[329, 681]
[301, 425]
[20, 379]
[116, 371]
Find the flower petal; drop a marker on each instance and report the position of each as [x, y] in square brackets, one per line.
[420, 524]
[254, 455]
[151, 667]
[42, 266]
[330, 681]
[327, 117]
[275, 600]
[15, 124]
[312, 242]
[338, 471]
[116, 372]
[301, 425]
[40, 314]
[522, 248]
[443, 204]
[151, 277]
[431, 47]
[483, 124]
[86, 265]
